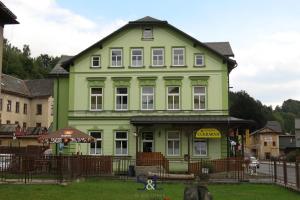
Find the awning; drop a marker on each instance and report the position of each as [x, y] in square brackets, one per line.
[66, 135]
[189, 119]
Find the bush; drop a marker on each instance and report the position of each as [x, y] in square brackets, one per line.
[291, 156]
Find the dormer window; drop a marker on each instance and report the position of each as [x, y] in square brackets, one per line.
[148, 33]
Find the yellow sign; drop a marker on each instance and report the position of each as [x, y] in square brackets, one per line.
[208, 133]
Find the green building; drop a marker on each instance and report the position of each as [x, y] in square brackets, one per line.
[148, 87]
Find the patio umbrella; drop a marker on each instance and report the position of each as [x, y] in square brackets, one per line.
[66, 135]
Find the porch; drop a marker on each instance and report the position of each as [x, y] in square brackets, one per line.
[179, 141]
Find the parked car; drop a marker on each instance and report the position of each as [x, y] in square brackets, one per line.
[254, 162]
[5, 161]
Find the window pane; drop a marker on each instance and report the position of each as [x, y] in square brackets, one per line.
[147, 136]
[173, 135]
[176, 147]
[144, 102]
[150, 102]
[98, 150]
[116, 52]
[96, 134]
[173, 90]
[93, 102]
[121, 135]
[118, 147]
[124, 99]
[147, 90]
[202, 102]
[170, 102]
[196, 102]
[96, 90]
[170, 147]
[199, 60]
[119, 99]
[157, 52]
[176, 102]
[200, 90]
[121, 90]
[92, 148]
[137, 52]
[99, 102]
[124, 147]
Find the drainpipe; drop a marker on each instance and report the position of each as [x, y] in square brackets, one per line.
[57, 104]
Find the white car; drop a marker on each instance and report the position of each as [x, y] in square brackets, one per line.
[254, 162]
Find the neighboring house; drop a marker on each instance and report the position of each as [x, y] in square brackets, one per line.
[297, 132]
[28, 103]
[6, 17]
[148, 87]
[12, 135]
[264, 143]
[287, 143]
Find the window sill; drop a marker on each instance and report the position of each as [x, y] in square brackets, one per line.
[147, 39]
[199, 66]
[121, 67]
[95, 110]
[95, 67]
[179, 66]
[163, 66]
[137, 67]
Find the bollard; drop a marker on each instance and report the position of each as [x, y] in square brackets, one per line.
[197, 193]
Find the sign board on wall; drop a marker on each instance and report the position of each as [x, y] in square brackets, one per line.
[207, 133]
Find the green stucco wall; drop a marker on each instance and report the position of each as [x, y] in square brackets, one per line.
[73, 91]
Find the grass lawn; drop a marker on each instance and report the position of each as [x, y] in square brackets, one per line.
[127, 190]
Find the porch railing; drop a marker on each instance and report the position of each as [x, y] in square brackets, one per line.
[152, 159]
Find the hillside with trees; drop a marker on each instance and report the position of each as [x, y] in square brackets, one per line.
[242, 105]
[19, 62]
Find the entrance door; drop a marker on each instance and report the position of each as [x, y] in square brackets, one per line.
[147, 142]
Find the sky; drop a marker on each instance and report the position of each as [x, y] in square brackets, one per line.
[264, 34]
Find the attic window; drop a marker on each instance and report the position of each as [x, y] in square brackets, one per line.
[147, 33]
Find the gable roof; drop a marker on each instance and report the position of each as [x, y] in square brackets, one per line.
[272, 125]
[58, 69]
[6, 16]
[26, 88]
[222, 47]
[217, 48]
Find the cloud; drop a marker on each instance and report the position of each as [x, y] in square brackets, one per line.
[49, 28]
[269, 68]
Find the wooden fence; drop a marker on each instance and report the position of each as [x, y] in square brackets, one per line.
[152, 159]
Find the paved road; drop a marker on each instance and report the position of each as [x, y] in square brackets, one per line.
[268, 169]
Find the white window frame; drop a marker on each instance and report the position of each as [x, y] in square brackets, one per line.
[97, 139]
[173, 142]
[173, 95]
[195, 60]
[145, 140]
[96, 95]
[147, 95]
[92, 61]
[206, 150]
[163, 57]
[121, 139]
[147, 28]
[135, 49]
[121, 95]
[199, 96]
[111, 56]
[177, 56]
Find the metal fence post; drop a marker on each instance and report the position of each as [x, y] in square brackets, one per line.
[275, 171]
[284, 173]
[297, 174]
